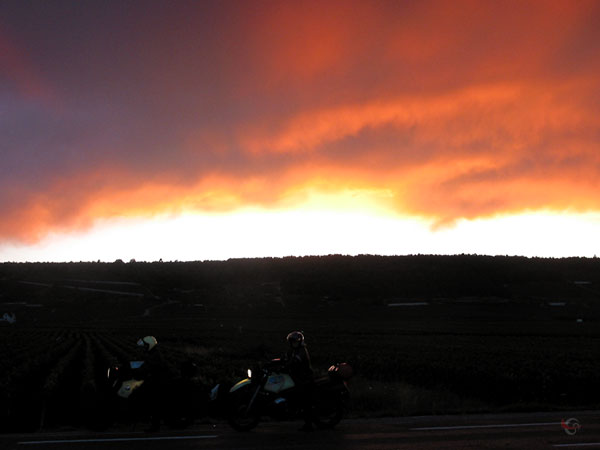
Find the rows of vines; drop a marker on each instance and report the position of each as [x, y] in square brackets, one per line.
[55, 377]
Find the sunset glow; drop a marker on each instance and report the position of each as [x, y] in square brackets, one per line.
[210, 130]
[271, 233]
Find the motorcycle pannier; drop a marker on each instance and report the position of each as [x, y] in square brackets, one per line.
[341, 370]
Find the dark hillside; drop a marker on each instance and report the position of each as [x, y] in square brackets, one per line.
[339, 276]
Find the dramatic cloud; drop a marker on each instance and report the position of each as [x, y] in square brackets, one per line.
[456, 110]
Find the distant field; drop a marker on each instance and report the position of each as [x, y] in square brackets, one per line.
[424, 334]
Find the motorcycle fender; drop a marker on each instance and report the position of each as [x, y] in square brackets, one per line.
[128, 387]
[240, 384]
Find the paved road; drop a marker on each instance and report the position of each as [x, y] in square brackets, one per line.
[505, 431]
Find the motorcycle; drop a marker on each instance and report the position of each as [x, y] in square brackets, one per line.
[270, 391]
[128, 395]
[125, 380]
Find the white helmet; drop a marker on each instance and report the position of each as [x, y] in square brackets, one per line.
[148, 342]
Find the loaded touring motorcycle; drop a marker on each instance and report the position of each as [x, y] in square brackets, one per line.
[127, 398]
[271, 392]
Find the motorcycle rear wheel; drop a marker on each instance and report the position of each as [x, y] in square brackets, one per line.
[327, 412]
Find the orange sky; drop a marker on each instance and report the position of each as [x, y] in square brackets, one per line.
[456, 110]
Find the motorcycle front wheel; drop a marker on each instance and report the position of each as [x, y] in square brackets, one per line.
[238, 415]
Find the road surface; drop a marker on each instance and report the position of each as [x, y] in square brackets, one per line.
[499, 431]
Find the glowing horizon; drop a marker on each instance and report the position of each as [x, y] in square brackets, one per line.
[256, 233]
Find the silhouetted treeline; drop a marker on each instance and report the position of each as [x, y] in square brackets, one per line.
[337, 276]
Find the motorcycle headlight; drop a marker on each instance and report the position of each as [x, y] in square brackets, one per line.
[249, 373]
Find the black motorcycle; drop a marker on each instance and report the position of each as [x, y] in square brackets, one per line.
[271, 392]
[127, 396]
